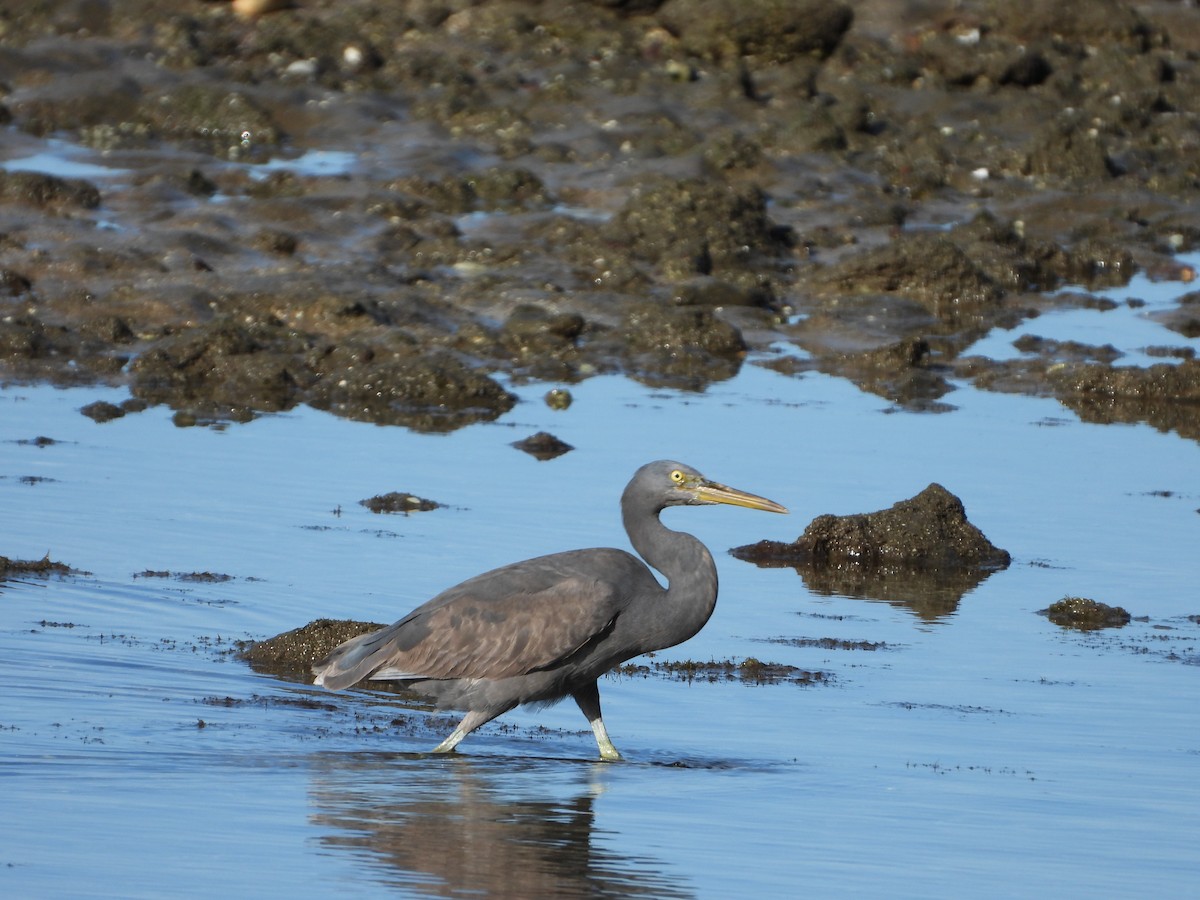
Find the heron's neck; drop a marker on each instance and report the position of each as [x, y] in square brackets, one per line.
[688, 566]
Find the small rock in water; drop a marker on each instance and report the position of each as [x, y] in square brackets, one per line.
[1085, 614]
[543, 445]
[558, 398]
[398, 502]
[927, 532]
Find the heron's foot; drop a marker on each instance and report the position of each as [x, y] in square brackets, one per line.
[607, 751]
[448, 745]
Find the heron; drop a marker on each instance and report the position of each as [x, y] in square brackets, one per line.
[539, 630]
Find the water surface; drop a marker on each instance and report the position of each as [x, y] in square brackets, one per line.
[984, 747]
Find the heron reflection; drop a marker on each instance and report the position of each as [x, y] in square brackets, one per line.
[470, 827]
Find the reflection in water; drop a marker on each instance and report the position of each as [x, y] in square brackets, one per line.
[464, 827]
[930, 594]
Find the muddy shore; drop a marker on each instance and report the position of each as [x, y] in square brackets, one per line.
[544, 191]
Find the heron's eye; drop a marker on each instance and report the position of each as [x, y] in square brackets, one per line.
[677, 477]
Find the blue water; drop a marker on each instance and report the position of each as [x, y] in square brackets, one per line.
[985, 751]
[57, 157]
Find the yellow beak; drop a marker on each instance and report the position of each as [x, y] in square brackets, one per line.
[712, 492]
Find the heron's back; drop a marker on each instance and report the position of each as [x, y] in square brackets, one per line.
[530, 617]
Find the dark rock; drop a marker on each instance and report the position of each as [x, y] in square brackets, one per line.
[1061, 351]
[36, 189]
[678, 330]
[29, 338]
[1164, 395]
[540, 338]
[558, 398]
[928, 268]
[714, 128]
[1085, 614]
[929, 532]
[13, 284]
[15, 568]
[107, 329]
[272, 240]
[293, 653]
[102, 411]
[1070, 151]
[199, 184]
[1029, 69]
[747, 671]
[681, 346]
[231, 369]
[432, 392]
[209, 115]
[398, 502]
[772, 31]
[715, 293]
[543, 445]
[1076, 23]
[921, 554]
[496, 188]
[697, 227]
[224, 367]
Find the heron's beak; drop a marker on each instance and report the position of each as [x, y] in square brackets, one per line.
[712, 492]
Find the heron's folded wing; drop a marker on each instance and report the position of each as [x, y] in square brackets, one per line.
[476, 637]
[504, 623]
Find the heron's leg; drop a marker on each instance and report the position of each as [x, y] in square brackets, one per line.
[469, 723]
[588, 699]
[607, 750]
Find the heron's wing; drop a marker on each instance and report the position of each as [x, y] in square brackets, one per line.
[511, 621]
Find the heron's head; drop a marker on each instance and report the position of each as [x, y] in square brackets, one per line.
[675, 484]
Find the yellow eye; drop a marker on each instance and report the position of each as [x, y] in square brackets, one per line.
[677, 477]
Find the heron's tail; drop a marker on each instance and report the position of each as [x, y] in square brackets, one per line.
[352, 660]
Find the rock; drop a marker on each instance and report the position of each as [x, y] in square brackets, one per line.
[1075, 23]
[543, 445]
[398, 502]
[704, 290]
[678, 329]
[752, 156]
[224, 368]
[773, 31]
[293, 653]
[277, 241]
[13, 284]
[1164, 395]
[531, 333]
[29, 338]
[928, 268]
[921, 554]
[433, 392]
[45, 566]
[1085, 614]
[697, 227]
[36, 189]
[1069, 150]
[227, 369]
[926, 533]
[681, 346]
[558, 398]
[102, 411]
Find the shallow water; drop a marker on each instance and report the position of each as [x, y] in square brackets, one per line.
[984, 747]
